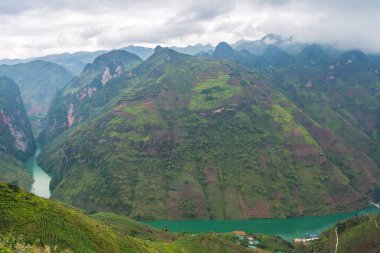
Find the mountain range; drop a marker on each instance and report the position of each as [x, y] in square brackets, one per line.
[272, 128]
[230, 136]
[75, 62]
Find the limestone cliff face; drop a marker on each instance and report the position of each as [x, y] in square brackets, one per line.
[16, 136]
[92, 88]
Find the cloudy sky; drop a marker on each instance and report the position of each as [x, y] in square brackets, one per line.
[40, 27]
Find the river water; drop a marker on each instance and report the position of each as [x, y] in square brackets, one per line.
[40, 187]
[286, 228]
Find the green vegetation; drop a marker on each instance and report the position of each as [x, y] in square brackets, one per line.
[133, 228]
[35, 223]
[212, 92]
[16, 243]
[32, 224]
[286, 121]
[183, 137]
[53, 223]
[87, 95]
[358, 234]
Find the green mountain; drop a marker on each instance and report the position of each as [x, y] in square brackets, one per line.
[184, 137]
[38, 81]
[89, 92]
[224, 51]
[276, 57]
[313, 55]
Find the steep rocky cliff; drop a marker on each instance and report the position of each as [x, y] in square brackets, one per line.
[94, 87]
[16, 137]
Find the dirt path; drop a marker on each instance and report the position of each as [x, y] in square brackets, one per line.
[337, 240]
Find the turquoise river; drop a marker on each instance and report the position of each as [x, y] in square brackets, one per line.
[286, 228]
[41, 183]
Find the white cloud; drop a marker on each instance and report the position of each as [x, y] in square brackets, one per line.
[39, 27]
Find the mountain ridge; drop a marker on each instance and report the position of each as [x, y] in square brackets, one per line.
[165, 126]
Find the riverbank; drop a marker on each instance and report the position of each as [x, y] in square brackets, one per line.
[286, 228]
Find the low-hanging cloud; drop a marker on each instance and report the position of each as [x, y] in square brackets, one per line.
[31, 28]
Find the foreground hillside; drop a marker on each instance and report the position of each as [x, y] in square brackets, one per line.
[14, 171]
[44, 222]
[32, 224]
[355, 235]
[192, 137]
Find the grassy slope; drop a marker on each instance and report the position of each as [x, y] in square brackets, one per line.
[56, 224]
[13, 171]
[43, 222]
[134, 228]
[16, 243]
[358, 234]
[198, 138]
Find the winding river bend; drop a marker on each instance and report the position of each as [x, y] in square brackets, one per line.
[286, 228]
[40, 187]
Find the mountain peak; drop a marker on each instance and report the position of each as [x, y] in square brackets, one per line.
[277, 56]
[314, 55]
[275, 39]
[353, 56]
[113, 57]
[164, 51]
[116, 55]
[272, 50]
[157, 49]
[223, 50]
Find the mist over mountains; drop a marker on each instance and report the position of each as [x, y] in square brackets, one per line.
[76, 61]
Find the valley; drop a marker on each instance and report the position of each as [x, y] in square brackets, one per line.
[193, 146]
